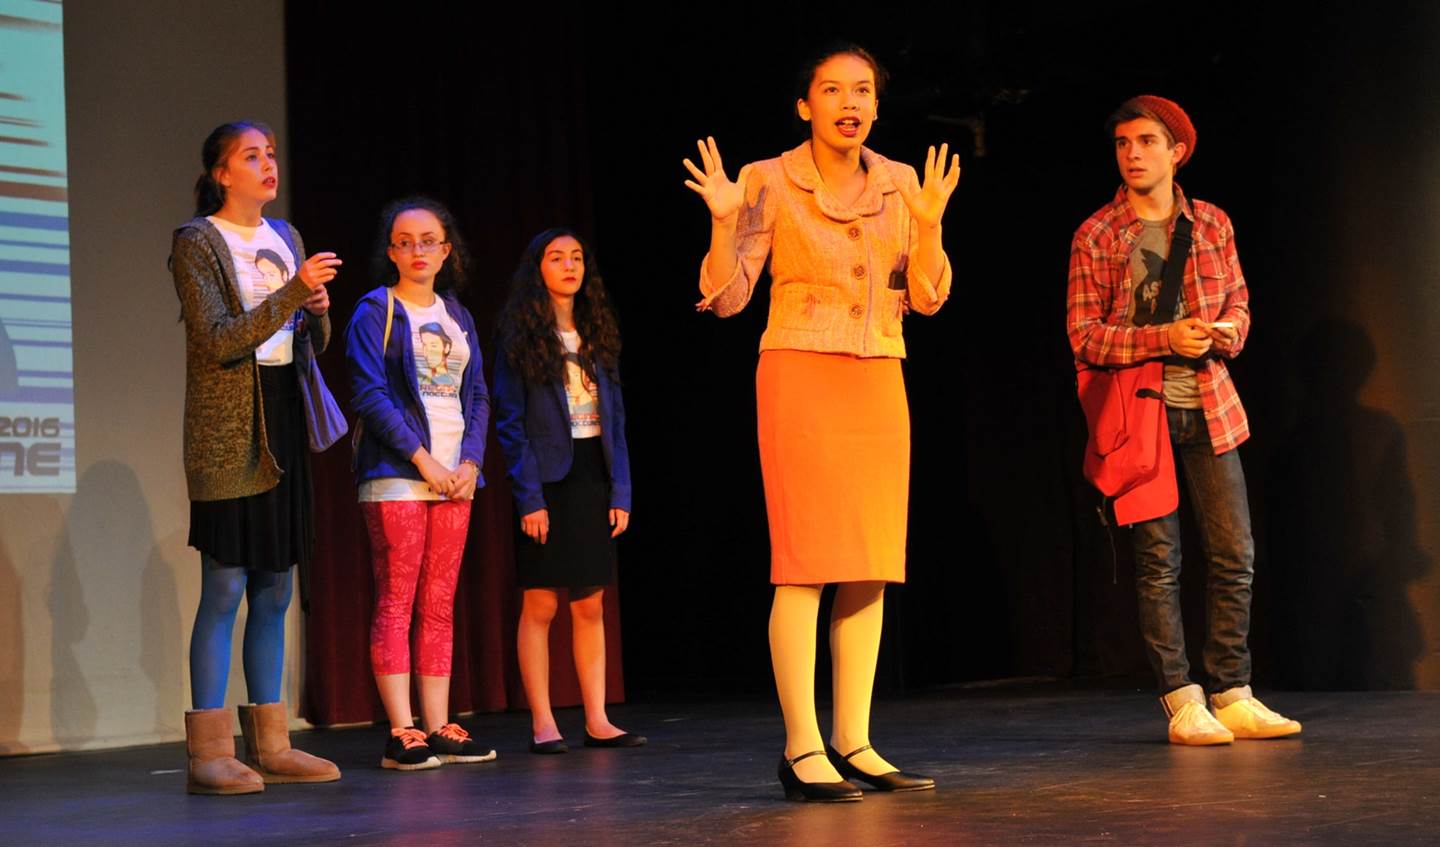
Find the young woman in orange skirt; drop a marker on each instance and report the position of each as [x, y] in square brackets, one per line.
[853, 241]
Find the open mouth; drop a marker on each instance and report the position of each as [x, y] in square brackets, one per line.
[849, 127]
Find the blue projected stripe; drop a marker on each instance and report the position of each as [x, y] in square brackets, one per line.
[46, 268]
[41, 244]
[37, 323]
[39, 395]
[35, 298]
[29, 221]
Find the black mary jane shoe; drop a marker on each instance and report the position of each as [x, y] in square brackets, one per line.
[892, 781]
[625, 739]
[551, 747]
[814, 792]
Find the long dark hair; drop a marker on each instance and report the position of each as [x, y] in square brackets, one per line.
[528, 336]
[454, 275]
[209, 194]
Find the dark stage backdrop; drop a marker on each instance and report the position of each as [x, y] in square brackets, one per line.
[1315, 134]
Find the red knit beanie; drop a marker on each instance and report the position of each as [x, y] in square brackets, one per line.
[1169, 113]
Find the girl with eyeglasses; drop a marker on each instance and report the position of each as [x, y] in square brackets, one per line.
[561, 423]
[419, 391]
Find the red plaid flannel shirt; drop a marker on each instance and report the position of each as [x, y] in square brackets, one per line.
[1213, 287]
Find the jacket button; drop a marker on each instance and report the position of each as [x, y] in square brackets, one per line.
[854, 233]
[859, 271]
[857, 310]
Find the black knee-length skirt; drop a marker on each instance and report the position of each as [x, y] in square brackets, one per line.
[579, 552]
[272, 530]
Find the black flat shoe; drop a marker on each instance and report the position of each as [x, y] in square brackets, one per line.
[627, 739]
[892, 781]
[814, 792]
[555, 745]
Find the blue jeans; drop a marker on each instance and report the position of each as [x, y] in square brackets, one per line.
[1215, 486]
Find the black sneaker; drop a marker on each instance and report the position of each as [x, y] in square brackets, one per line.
[407, 751]
[453, 744]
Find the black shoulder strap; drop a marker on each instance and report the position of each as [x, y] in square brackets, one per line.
[1174, 270]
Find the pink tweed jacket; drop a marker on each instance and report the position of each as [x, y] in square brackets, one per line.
[841, 276]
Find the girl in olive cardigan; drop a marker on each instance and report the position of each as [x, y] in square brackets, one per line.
[245, 448]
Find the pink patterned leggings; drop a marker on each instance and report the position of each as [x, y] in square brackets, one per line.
[416, 547]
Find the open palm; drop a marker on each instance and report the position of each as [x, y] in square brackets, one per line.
[927, 204]
[720, 194]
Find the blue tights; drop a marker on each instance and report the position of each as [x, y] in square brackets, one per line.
[268, 595]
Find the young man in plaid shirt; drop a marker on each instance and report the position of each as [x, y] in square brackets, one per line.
[1115, 279]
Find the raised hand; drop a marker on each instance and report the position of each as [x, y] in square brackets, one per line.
[927, 204]
[319, 269]
[719, 193]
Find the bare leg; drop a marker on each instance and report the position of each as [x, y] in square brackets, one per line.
[395, 694]
[587, 619]
[434, 700]
[533, 644]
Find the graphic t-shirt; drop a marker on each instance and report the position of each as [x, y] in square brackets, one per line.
[1182, 390]
[580, 390]
[263, 264]
[441, 353]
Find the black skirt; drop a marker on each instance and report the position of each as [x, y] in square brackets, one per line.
[579, 552]
[273, 530]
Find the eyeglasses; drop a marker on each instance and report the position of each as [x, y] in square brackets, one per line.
[424, 245]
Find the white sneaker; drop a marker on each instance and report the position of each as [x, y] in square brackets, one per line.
[1247, 717]
[1190, 722]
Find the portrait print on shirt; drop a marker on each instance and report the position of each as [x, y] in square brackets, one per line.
[261, 260]
[268, 273]
[584, 408]
[580, 390]
[437, 370]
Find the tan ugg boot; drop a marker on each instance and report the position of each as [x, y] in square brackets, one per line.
[268, 751]
[213, 768]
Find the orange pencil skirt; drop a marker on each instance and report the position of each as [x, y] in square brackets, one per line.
[835, 455]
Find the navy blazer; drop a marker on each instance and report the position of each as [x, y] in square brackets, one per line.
[533, 423]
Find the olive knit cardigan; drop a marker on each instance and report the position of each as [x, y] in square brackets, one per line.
[225, 447]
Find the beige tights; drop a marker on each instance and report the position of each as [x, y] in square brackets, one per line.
[854, 648]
